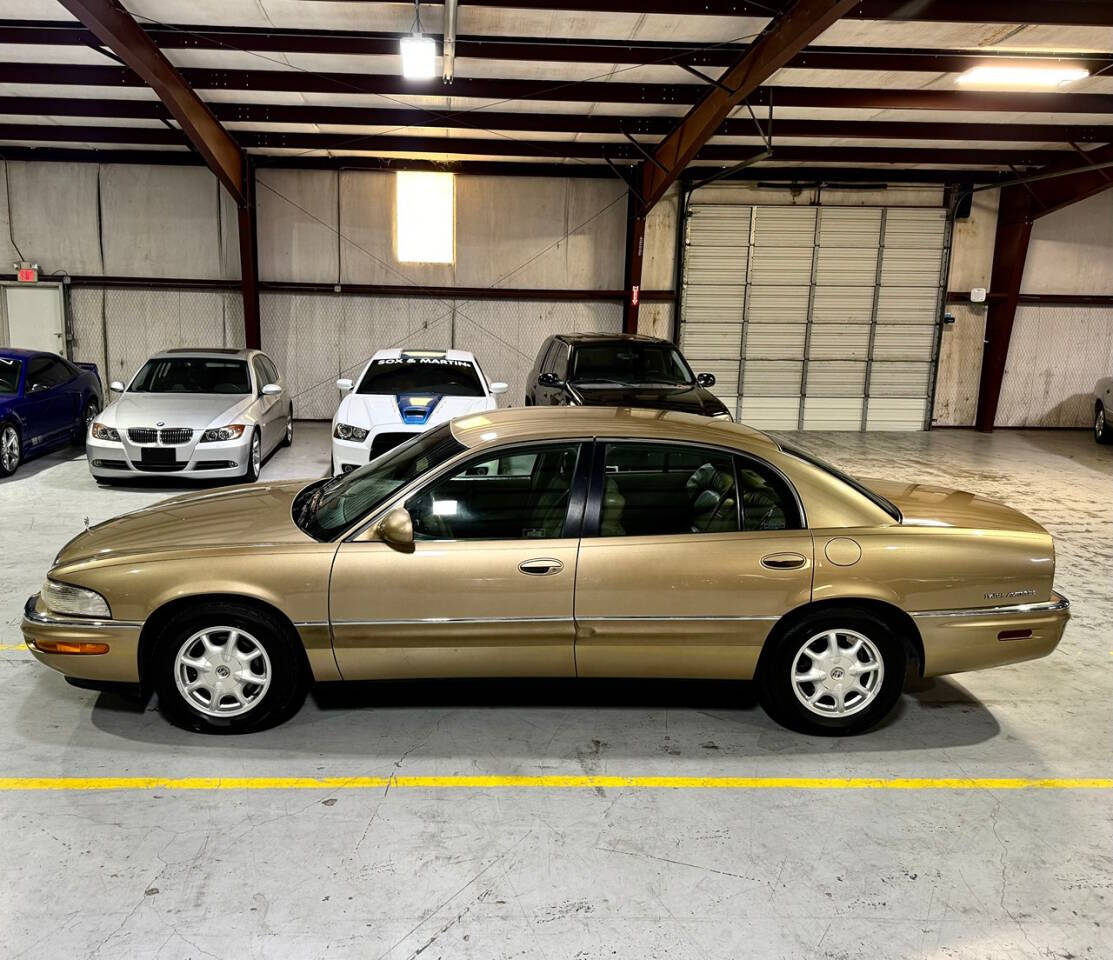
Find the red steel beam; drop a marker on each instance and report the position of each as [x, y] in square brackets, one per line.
[116, 30]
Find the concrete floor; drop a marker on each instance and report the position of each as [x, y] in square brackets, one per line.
[630, 872]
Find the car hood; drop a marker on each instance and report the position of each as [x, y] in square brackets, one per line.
[930, 506]
[694, 399]
[374, 410]
[246, 515]
[194, 410]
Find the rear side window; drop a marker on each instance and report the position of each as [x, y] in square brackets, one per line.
[9, 374]
[767, 501]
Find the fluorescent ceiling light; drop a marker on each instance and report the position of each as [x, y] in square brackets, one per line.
[419, 57]
[424, 216]
[1018, 76]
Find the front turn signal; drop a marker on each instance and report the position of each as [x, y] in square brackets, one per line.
[65, 646]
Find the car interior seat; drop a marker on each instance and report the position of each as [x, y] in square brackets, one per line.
[712, 498]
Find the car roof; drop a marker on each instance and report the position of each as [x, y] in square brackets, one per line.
[396, 353]
[20, 353]
[205, 352]
[574, 338]
[554, 423]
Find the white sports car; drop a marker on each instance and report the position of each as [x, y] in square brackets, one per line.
[401, 393]
[206, 414]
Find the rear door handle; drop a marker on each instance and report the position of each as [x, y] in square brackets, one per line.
[542, 567]
[783, 561]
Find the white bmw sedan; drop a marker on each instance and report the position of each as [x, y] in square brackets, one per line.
[400, 393]
[199, 413]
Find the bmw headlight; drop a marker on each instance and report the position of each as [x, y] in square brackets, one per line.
[345, 431]
[71, 601]
[102, 432]
[231, 432]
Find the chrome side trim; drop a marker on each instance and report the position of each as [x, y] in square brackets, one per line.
[30, 613]
[429, 620]
[1051, 606]
[672, 619]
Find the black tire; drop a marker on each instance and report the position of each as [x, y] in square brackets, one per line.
[11, 449]
[284, 659]
[251, 471]
[529, 402]
[778, 692]
[1103, 432]
[288, 436]
[81, 429]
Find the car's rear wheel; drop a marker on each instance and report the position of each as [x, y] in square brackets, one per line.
[1103, 433]
[228, 669]
[834, 673]
[11, 449]
[88, 415]
[254, 459]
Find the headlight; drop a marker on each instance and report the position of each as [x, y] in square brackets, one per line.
[73, 601]
[724, 415]
[345, 431]
[101, 432]
[231, 432]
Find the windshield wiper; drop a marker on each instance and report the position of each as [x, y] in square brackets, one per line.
[617, 383]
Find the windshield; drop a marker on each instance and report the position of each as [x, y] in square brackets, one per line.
[329, 507]
[629, 363]
[9, 374]
[450, 378]
[876, 498]
[192, 375]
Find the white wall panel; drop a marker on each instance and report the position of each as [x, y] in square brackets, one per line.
[297, 225]
[1071, 250]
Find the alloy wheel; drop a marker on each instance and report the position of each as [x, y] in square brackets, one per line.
[1099, 424]
[837, 673]
[90, 415]
[256, 454]
[289, 431]
[222, 671]
[9, 449]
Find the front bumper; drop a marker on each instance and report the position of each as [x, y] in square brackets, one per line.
[347, 455]
[959, 640]
[114, 459]
[119, 664]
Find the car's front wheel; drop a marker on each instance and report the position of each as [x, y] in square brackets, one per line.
[11, 450]
[254, 459]
[1103, 433]
[88, 415]
[833, 673]
[288, 438]
[228, 669]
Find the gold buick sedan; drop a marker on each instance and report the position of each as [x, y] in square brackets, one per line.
[579, 542]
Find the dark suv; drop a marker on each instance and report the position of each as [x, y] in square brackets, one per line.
[618, 370]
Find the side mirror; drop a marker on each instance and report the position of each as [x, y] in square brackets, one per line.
[498, 387]
[397, 529]
[271, 390]
[706, 379]
[116, 387]
[549, 380]
[344, 384]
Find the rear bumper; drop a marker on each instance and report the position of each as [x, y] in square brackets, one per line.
[960, 640]
[120, 664]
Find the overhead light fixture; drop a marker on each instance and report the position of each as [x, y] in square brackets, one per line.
[1042, 77]
[419, 52]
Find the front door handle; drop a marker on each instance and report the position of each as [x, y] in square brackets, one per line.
[542, 567]
[783, 561]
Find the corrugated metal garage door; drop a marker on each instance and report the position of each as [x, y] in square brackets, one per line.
[818, 318]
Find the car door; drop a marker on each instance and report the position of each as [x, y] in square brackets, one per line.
[48, 404]
[678, 576]
[488, 587]
[266, 406]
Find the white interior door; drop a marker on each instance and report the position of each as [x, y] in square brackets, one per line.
[35, 317]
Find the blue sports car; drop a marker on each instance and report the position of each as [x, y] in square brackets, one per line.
[45, 401]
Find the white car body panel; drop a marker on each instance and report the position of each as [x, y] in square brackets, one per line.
[379, 413]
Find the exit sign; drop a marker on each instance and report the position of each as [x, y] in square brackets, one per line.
[27, 272]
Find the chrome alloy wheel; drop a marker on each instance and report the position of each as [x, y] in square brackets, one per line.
[90, 415]
[1099, 423]
[837, 673]
[9, 449]
[222, 671]
[289, 430]
[256, 454]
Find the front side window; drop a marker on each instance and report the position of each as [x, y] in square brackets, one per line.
[270, 369]
[450, 378]
[328, 507]
[192, 375]
[631, 363]
[661, 489]
[261, 379]
[520, 494]
[9, 374]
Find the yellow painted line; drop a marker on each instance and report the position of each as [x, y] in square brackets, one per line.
[551, 783]
[13, 646]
